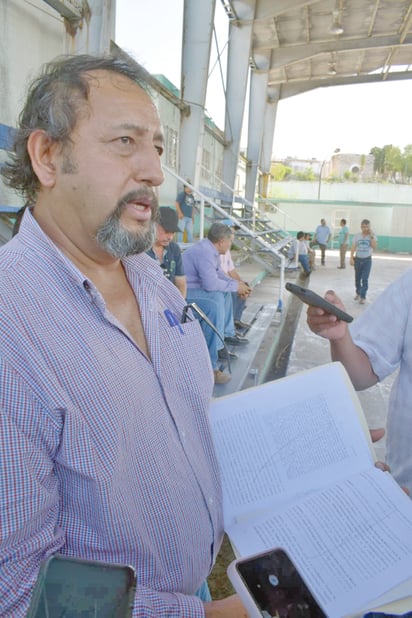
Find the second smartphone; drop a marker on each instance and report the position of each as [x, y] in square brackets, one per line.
[270, 586]
[313, 299]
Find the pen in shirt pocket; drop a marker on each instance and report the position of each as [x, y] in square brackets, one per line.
[173, 321]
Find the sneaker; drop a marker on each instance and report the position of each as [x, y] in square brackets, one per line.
[236, 340]
[220, 377]
[341, 267]
[242, 325]
[222, 355]
[362, 301]
[356, 297]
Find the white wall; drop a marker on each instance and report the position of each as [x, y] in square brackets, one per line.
[350, 191]
[30, 35]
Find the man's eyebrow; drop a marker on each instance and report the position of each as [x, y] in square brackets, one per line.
[129, 126]
[140, 130]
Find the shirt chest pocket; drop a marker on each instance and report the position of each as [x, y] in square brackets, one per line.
[189, 366]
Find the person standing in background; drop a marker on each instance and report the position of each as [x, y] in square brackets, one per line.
[343, 242]
[185, 207]
[363, 245]
[322, 237]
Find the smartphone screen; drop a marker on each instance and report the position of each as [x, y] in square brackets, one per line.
[276, 586]
[76, 588]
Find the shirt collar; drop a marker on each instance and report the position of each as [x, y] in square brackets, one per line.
[32, 237]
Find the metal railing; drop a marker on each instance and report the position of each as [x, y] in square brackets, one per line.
[255, 234]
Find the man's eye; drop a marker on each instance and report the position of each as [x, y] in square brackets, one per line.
[125, 139]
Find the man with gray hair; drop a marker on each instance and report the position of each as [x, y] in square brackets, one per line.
[104, 455]
[211, 288]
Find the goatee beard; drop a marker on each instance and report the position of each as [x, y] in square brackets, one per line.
[119, 242]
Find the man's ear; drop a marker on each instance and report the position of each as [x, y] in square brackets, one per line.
[42, 152]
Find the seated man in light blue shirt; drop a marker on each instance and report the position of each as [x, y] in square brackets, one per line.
[210, 288]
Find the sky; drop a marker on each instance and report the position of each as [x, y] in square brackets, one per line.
[311, 125]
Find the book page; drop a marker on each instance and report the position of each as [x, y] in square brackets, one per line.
[287, 437]
[351, 542]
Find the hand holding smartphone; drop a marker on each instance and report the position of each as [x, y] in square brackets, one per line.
[313, 299]
[270, 586]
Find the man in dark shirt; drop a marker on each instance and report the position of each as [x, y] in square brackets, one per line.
[184, 204]
[166, 252]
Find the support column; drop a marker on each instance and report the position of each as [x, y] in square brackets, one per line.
[268, 135]
[257, 104]
[198, 23]
[240, 37]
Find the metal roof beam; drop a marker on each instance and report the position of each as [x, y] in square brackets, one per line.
[71, 10]
[286, 55]
[293, 88]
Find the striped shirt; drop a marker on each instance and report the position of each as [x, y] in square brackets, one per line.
[104, 454]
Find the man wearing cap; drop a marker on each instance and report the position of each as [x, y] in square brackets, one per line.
[166, 252]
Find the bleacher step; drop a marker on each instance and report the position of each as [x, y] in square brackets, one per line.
[261, 317]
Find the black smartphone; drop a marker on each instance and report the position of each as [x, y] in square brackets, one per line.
[76, 588]
[270, 586]
[311, 298]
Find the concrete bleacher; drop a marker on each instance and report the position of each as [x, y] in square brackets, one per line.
[244, 372]
[266, 316]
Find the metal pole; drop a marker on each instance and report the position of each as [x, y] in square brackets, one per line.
[321, 170]
[320, 177]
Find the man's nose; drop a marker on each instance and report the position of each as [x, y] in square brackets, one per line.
[148, 167]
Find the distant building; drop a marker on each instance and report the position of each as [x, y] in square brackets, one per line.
[336, 165]
[358, 165]
[300, 165]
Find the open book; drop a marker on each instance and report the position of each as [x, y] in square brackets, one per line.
[298, 472]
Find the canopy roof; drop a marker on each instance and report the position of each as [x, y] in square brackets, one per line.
[306, 45]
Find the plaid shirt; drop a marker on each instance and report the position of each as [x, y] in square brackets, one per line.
[105, 454]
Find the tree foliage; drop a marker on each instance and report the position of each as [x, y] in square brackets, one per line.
[391, 164]
[280, 172]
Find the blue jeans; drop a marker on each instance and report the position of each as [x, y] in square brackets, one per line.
[304, 260]
[185, 223]
[362, 271]
[238, 306]
[218, 307]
